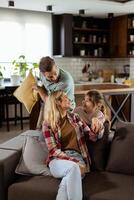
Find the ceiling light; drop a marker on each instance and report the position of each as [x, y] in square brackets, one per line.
[81, 12]
[10, 3]
[49, 8]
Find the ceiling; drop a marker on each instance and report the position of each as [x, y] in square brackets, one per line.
[99, 8]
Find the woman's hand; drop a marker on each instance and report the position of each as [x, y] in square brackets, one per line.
[40, 91]
[96, 125]
[82, 169]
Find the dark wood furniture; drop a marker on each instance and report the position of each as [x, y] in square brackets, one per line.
[6, 101]
[73, 35]
[122, 36]
[118, 41]
[10, 99]
[93, 37]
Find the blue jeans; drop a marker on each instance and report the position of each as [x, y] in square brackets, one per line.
[70, 187]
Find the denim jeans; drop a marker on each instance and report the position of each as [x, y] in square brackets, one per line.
[70, 187]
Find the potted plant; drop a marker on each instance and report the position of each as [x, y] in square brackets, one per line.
[20, 66]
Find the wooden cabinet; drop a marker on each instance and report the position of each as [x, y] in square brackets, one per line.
[80, 36]
[122, 36]
[62, 34]
[130, 38]
[93, 37]
[118, 42]
[90, 37]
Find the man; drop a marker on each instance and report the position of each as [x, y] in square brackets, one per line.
[54, 79]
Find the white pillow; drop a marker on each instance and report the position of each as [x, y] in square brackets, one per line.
[32, 161]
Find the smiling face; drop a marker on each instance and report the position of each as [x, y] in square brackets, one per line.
[88, 105]
[52, 75]
[64, 102]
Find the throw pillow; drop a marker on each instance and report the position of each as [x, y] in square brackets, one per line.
[98, 150]
[25, 94]
[121, 157]
[32, 161]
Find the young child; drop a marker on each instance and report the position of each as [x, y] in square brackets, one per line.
[92, 109]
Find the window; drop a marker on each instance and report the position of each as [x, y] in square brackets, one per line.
[24, 33]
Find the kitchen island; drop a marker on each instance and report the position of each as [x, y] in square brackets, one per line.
[119, 98]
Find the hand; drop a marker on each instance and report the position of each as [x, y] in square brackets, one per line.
[82, 169]
[96, 125]
[41, 91]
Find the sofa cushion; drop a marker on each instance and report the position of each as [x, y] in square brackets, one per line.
[99, 151]
[33, 158]
[25, 94]
[121, 157]
[108, 186]
[36, 187]
[96, 186]
[16, 143]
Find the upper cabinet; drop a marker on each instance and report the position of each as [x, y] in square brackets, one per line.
[90, 37]
[122, 36]
[118, 47]
[80, 36]
[93, 37]
[130, 38]
[62, 34]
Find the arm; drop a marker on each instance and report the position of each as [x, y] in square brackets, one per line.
[85, 129]
[97, 127]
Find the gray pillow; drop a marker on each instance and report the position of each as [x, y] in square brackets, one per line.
[32, 161]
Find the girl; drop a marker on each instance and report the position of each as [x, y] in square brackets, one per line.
[92, 109]
[68, 155]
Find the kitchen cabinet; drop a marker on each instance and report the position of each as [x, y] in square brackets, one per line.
[62, 34]
[90, 37]
[118, 41]
[130, 38]
[122, 36]
[80, 36]
[93, 37]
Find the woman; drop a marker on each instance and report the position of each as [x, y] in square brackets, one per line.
[92, 108]
[68, 155]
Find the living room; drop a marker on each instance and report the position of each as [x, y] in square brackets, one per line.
[93, 41]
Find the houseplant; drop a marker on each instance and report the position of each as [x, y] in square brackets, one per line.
[21, 66]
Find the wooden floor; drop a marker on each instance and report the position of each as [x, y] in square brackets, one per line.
[14, 131]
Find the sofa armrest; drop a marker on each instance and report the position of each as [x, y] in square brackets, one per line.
[8, 162]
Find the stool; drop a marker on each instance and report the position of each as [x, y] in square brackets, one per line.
[12, 100]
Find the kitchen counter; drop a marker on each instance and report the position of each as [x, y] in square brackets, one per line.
[103, 88]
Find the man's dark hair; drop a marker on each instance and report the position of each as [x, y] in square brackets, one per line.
[46, 64]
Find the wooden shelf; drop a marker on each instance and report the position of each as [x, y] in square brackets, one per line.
[90, 29]
[89, 43]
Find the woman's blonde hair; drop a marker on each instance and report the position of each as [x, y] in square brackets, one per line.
[51, 110]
